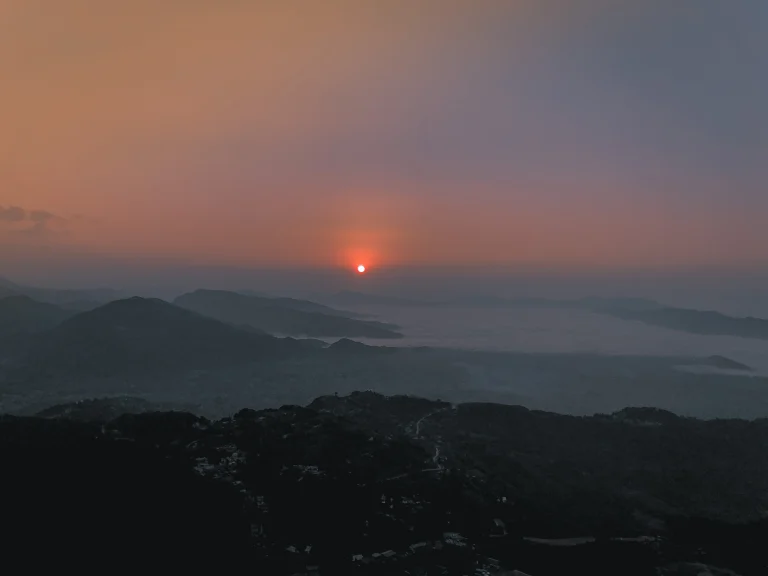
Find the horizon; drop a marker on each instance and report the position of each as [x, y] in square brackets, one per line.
[740, 293]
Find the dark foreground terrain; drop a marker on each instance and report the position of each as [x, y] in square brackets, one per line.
[367, 484]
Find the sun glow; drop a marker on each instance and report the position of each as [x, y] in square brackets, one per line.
[361, 268]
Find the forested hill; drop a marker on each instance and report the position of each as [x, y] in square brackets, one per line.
[410, 486]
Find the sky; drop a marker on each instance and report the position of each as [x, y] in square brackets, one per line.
[304, 134]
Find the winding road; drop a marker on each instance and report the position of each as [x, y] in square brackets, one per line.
[436, 460]
[420, 420]
[417, 434]
[436, 457]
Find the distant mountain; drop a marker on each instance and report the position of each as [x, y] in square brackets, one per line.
[598, 303]
[280, 315]
[481, 301]
[298, 304]
[727, 364]
[638, 309]
[350, 298]
[347, 346]
[255, 293]
[140, 335]
[646, 415]
[109, 408]
[8, 285]
[83, 305]
[59, 297]
[484, 301]
[100, 409]
[5, 292]
[594, 303]
[23, 315]
[696, 321]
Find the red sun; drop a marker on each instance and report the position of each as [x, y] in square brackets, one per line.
[361, 269]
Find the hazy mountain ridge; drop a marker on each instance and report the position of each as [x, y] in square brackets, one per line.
[107, 409]
[145, 335]
[353, 298]
[347, 346]
[78, 299]
[192, 370]
[298, 304]
[5, 292]
[698, 322]
[688, 320]
[281, 315]
[23, 315]
[408, 484]
[158, 351]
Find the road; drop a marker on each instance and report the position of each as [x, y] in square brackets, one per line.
[420, 420]
[436, 457]
[436, 460]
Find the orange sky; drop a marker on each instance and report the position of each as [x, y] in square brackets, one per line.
[295, 132]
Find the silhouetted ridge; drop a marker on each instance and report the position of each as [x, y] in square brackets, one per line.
[281, 315]
[647, 415]
[100, 409]
[138, 335]
[697, 321]
[5, 292]
[296, 304]
[351, 298]
[727, 363]
[60, 297]
[21, 314]
[346, 345]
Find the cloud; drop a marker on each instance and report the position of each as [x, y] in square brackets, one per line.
[43, 216]
[19, 222]
[12, 214]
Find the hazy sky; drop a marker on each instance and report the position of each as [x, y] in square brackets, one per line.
[583, 133]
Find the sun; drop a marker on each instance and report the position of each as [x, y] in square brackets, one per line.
[361, 269]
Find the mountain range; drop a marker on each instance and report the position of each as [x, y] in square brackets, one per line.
[75, 299]
[702, 322]
[351, 298]
[23, 315]
[164, 352]
[296, 317]
[139, 335]
[282, 315]
[298, 304]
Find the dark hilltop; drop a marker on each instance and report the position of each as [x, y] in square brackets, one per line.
[410, 486]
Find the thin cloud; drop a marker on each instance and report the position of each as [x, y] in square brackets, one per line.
[12, 214]
[17, 221]
[41, 216]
